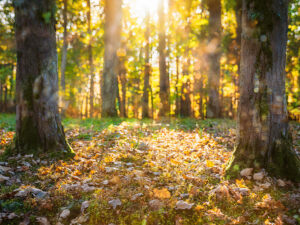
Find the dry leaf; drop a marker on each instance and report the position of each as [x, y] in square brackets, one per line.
[161, 193]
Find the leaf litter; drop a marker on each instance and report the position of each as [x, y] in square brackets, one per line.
[144, 173]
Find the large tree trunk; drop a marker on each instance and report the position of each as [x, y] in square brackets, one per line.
[214, 49]
[263, 136]
[39, 126]
[163, 75]
[91, 63]
[113, 15]
[145, 108]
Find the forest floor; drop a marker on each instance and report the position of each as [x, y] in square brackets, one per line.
[142, 173]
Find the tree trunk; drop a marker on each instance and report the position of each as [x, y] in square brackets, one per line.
[38, 122]
[238, 14]
[263, 135]
[185, 100]
[122, 79]
[113, 15]
[1, 94]
[64, 48]
[91, 63]
[177, 101]
[86, 106]
[11, 82]
[64, 58]
[5, 98]
[163, 75]
[145, 110]
[214, 45]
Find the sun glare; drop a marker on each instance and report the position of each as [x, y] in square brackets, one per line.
[139, 8]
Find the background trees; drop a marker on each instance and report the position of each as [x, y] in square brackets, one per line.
[191, 83]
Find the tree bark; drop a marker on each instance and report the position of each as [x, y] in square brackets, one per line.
[38, 125]
[91, 63]
[177, 100]
[238, 14]
[214, 45]
[145, 106]
[1, 94]
[185, 100]
[64, 48]
[163, 75]
[5, 98]
[113, 15]
[122, 79]
[263, 135]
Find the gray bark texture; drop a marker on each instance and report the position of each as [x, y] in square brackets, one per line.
[112, 40]
[64, 48]
[213, 105]
[263, 135]
[39, 127]
[164, 83]
[91, 61]
[145, 104]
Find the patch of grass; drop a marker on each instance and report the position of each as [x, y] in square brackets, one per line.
[7, 121]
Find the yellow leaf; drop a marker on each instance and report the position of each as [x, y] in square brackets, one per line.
[77, 173]
[115, 180]
[240, 183]
[209, 163]
[163, 193]
[199, 207]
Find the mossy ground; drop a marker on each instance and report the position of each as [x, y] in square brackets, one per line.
[121, 158]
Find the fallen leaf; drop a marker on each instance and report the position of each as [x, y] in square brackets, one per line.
[42, 221]
[115, 202]
[246, 172]
[184, 205]
[64, 214]
[161, 194]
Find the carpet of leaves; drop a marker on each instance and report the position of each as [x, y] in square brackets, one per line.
[136, 172]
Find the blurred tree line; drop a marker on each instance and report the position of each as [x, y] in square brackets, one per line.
[182, 60]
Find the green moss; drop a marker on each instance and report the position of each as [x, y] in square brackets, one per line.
[284, 162]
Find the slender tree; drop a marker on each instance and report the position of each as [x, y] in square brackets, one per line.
[65, 47]
[238, 15]
[39, 126]
[214, 43]
[264, 140]
[112, 39]
[122, 79]
[145, 106]
[185, 100]
[177, 100]
[91, 61]
[163, 75]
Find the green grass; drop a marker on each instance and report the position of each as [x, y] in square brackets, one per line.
[8, 121]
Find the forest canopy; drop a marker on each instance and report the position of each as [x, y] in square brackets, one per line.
[187, 52]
